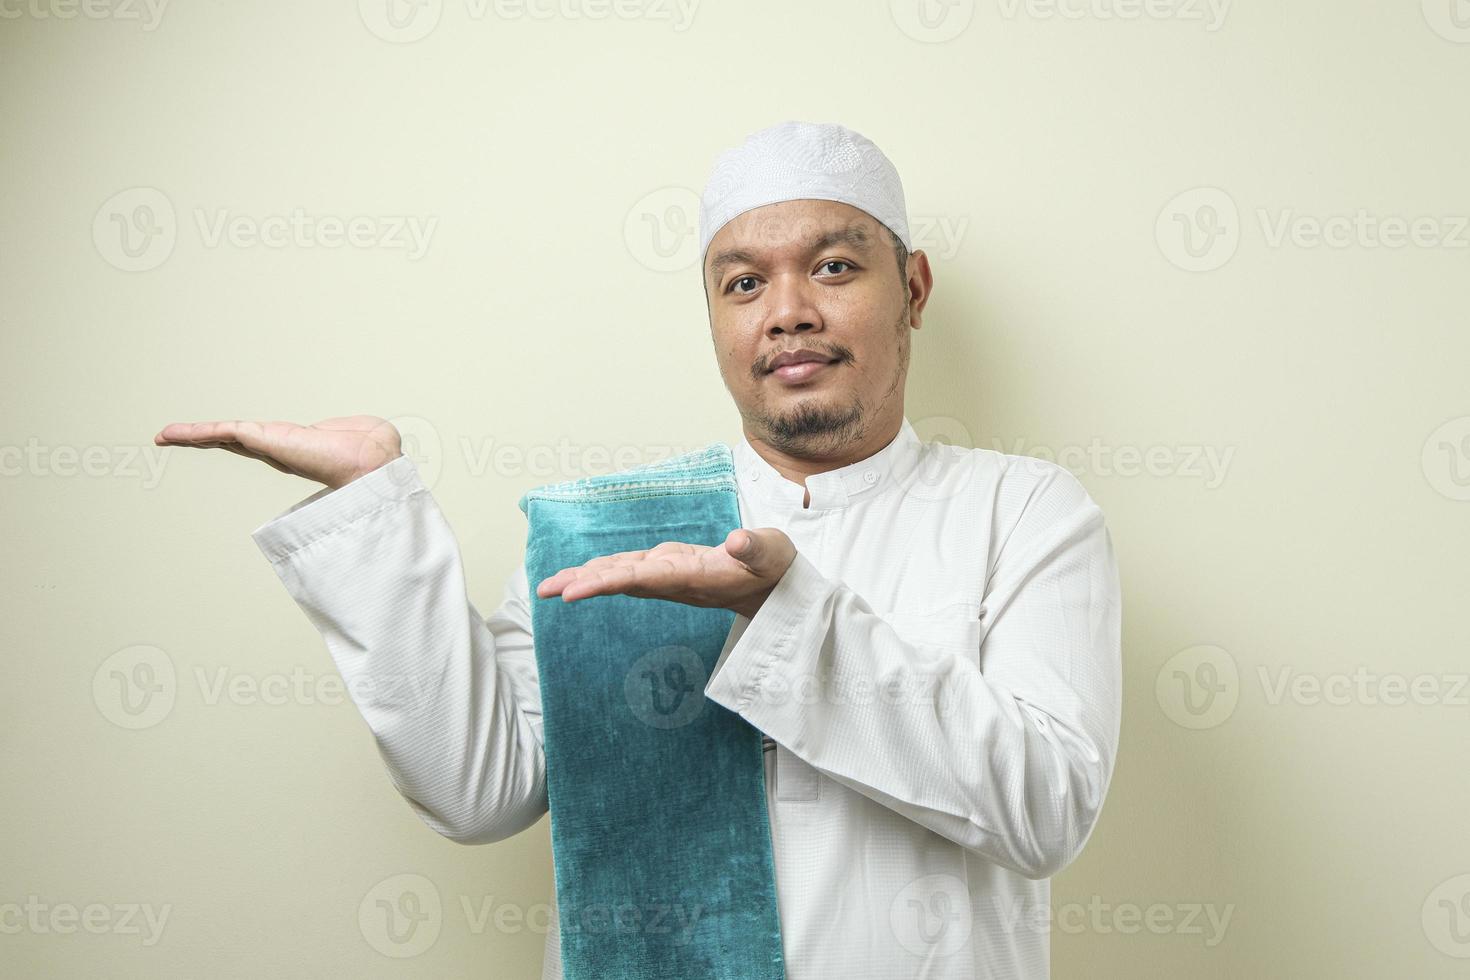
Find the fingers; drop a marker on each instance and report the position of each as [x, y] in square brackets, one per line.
[647, 577]
[210, 435]
[551, 586]
[656, 572]
[265, 441]
[254, 440]
[256, 436]
[558, 584]
[206, 435]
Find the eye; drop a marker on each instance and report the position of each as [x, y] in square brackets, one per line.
[736, 282]
[837, 262]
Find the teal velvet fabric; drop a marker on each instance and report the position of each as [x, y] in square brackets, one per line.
[659, 834]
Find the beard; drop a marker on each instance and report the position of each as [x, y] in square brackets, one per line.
[821, 424]
[816, 425]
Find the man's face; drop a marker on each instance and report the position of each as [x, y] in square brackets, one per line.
[812, 276]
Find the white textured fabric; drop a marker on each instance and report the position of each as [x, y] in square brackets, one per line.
[960, 609]
[798, 161]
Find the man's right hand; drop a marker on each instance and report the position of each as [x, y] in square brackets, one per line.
[333, 451]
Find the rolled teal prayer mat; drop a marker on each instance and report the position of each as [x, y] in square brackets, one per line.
[660, 839]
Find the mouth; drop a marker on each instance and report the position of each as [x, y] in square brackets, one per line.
[801, 371]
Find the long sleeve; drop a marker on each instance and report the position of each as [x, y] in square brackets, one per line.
[1007, 751]
[452, 699]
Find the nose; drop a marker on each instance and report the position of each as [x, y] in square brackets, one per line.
[792, 308]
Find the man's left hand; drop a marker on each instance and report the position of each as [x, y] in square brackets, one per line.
[736, 575]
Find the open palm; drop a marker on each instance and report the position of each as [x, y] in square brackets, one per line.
[737, 574]
[333, 451]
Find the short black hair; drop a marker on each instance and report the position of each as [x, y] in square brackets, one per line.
[900, 253]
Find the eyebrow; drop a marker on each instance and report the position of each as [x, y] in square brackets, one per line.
[855, 237]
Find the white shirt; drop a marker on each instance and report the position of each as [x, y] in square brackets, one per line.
[937, 676]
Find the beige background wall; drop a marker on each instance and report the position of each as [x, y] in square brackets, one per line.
[1277, 426]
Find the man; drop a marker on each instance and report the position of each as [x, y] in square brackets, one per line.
[927, 636]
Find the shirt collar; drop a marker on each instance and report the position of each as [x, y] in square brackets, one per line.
[830, 488]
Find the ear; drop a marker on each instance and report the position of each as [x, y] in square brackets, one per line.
[921, 285]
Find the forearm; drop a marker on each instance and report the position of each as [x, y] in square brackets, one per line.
[1013, 769]
[451, 699]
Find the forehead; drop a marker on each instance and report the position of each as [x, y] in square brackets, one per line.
[794, 227]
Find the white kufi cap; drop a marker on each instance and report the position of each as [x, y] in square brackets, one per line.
[800, 160]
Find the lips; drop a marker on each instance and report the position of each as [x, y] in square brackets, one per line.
[798, 371]
[804, 359]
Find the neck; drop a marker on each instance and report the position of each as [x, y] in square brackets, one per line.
[796, 467]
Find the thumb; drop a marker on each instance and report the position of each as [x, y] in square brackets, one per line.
[745, 545]
[765, 551]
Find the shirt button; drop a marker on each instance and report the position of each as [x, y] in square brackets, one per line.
[755, 476]
[870, 477]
